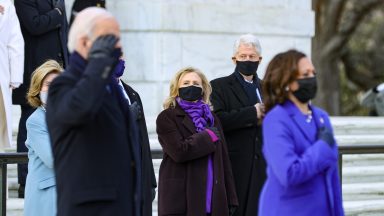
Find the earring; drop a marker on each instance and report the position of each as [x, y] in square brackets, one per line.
[286, 88]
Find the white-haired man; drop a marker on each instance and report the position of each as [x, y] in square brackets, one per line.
[88, 123]
[237, 101]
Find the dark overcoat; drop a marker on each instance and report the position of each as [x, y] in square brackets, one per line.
[79, 5]
[183, 171]
[244, 139]
[147, 173]
[91, 148]
[45, 34]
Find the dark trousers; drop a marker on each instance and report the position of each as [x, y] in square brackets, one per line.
[22, 169]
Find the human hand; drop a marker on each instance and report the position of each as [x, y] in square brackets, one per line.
[104, 47]
[61, 6]
[260, 110]
[232, 210]
[215, 131]
[325, 134]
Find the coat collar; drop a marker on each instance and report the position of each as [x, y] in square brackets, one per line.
[297, 117]
[186, 120]
[236, 87]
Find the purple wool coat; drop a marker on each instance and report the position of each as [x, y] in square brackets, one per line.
[302, 170]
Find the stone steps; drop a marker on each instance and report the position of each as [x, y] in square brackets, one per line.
[363, 175]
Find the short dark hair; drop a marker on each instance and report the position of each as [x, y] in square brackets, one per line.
[281, 71]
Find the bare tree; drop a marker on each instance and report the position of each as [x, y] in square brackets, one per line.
[336, 22]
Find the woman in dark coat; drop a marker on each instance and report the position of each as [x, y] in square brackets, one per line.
[195, 174]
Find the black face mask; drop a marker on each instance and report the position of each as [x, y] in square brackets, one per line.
[191, 93]
[307, 89]
[247, 68]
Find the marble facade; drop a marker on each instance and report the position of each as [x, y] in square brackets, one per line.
[161, 36]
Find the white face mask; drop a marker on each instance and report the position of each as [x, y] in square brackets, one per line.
[44, 97]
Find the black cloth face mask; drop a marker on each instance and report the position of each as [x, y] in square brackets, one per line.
[191, 93]
[307, 89]
[247, 68]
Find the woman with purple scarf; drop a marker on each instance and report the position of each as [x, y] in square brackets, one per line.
[195, 173]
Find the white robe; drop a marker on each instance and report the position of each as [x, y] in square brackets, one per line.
[11, 65]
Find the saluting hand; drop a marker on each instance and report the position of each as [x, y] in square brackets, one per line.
[103, 47]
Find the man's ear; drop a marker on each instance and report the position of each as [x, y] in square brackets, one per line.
[234, 59]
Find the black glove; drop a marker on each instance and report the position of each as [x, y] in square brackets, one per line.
[104, 47]
[214, 130]
[232, 210]
[60, 5]
[326, 135]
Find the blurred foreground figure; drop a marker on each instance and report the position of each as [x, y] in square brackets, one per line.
[88, 123]
[299, 146]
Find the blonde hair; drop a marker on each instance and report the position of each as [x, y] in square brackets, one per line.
[174, 87]
[38, 76]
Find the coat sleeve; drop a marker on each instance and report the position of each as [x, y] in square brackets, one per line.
[233, 119]
[74, 102]
[182, 149]
[15, 48]
[39, 142]
[228, 175]
[34, 21]
[289, 167]
[146, 142]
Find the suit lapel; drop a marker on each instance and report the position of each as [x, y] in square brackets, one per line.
[186, 120]
[131, 94]
[237, 90]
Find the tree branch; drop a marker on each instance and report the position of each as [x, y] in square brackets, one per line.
[353, 19]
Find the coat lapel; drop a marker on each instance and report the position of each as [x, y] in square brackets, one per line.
[298, 119]
[187, 122]
[131, 94]
[238, 90]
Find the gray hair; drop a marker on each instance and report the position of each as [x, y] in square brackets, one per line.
[84, 24]
[248, 40]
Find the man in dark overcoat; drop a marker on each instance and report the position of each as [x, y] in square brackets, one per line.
[237, 101]
[89, 124]
[145, 178]
[44, 27]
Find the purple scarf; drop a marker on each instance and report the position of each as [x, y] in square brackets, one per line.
[199, 112]
[201, 115]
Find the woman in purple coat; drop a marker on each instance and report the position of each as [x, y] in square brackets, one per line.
[195, 177]
[299, 145]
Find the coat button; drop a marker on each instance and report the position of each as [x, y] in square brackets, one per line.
[59, 55]
[256, 157]
[216, 182]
